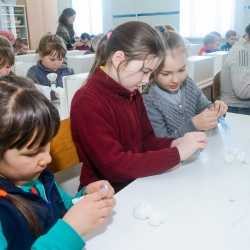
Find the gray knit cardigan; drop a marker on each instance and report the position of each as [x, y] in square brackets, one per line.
[235, 76]
[170, 120]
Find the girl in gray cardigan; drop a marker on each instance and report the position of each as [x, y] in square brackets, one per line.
[52, 51]
[174, 103]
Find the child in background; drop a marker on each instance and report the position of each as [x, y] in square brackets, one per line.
[113, 135]
[34, 212]
[85, 39]
[210, 43]
[231, 39]
[93, 48]
[21, 46]
[218, 41]
[175, 104]
[52, 50]
[7, 59]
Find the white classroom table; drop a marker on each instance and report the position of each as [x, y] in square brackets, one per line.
[205, 202]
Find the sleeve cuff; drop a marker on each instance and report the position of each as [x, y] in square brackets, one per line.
[60, 236]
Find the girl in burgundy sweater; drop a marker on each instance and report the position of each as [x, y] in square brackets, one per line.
[113, 135]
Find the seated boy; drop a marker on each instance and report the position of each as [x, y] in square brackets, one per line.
[85, 39]
[231, 39]
[210, 44]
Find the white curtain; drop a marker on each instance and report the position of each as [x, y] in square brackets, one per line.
[198, 18]
[89, 17]
[239, 17]
[107, 15]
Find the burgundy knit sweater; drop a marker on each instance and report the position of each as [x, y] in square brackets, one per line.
[113, 135]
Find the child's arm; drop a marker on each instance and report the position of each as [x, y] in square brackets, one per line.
[161, 126]
[89, 189]
[33, 74]
[83, 217]
[240, 74]
[60, 236]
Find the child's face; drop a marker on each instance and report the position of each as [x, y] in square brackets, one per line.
[212, 46]
[231, 40]
[52, 62]
[85, 41]
[217, 43]
[136, 73]
[21, 166]
[173, 72]
[23, 50]
[5, 70]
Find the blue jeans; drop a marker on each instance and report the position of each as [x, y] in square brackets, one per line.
[237, 110]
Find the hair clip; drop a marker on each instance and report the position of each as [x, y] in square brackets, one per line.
[3, 193]
[109, 34]
[161, 29]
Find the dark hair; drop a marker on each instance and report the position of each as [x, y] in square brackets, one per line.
[209, 38]
[52, 44]
[85, 35]
[142, 41]
[247, 29]
[216, 34]
[7, 56]
[64, 20]
[25, 114]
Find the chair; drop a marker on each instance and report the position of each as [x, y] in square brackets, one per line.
[63, 149]
[216, 86]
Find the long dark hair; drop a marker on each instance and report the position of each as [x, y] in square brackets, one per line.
[25, 113]
[64, 20]
[137, 40]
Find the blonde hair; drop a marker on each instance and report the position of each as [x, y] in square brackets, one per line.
[19, 43]
[5, 42]
[52, 44]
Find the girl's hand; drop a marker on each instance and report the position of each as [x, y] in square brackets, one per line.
[190, 142]
[175, 142]
[205, 120]
[220, 107]
[96, 186]
[90, 212]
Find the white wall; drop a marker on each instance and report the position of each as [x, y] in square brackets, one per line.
[247, 12]
[153, 12]
[63, 4]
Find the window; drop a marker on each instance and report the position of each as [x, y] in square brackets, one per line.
[88, 16]
[199, 17]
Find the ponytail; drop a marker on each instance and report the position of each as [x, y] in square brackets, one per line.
[100, 59]
[26, 208]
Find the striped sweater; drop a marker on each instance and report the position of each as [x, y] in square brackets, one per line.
[235, 76]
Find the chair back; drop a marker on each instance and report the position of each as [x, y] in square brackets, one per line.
[216, 86]
[62, 149]
[45, 90]
[71, 84]
[21, 68]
